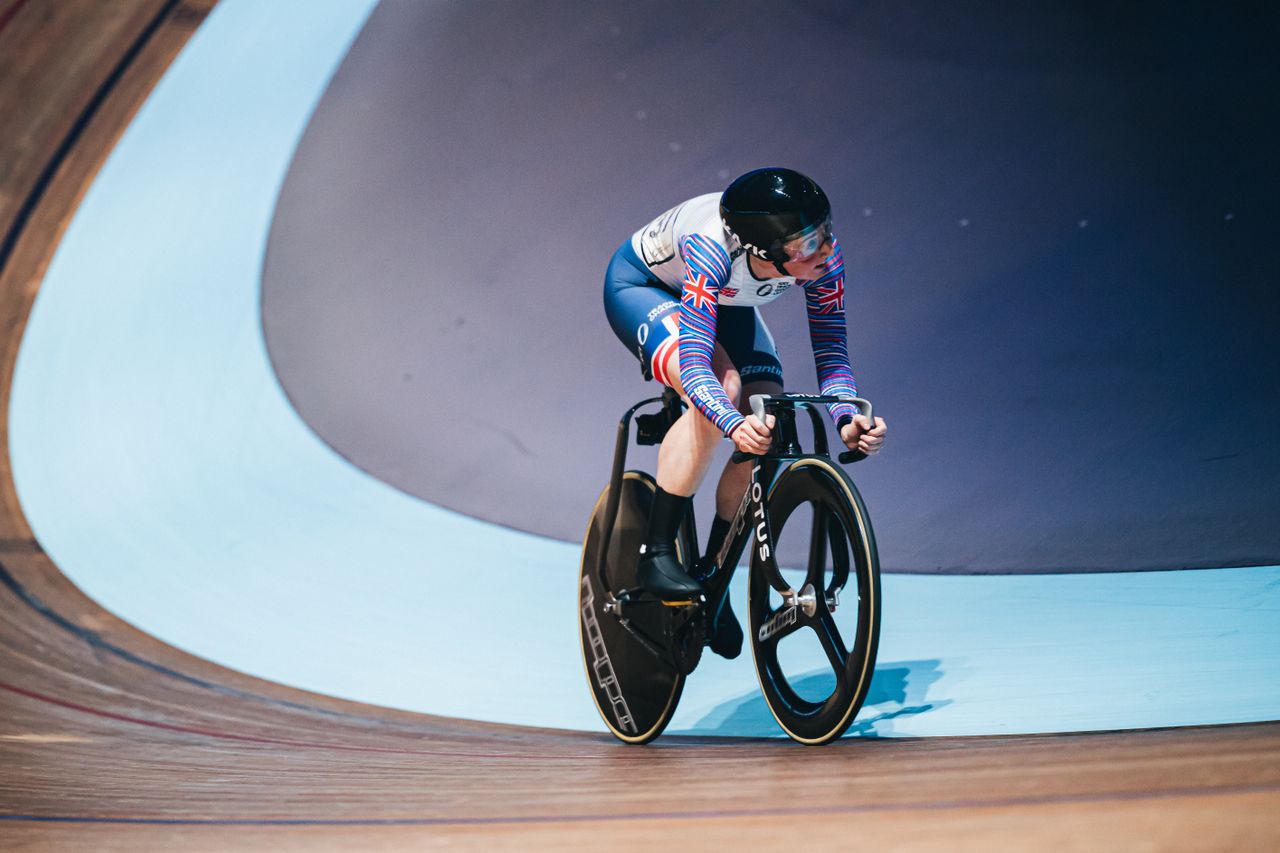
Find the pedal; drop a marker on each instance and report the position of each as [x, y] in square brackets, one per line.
[638, 596]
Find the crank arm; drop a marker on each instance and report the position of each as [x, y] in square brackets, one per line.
[649, 645]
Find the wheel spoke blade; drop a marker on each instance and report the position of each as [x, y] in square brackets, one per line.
[818, 547]
[788, 630]
[829, 635]
[839, 558]
[782, 622]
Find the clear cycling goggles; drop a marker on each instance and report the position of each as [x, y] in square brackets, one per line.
[808, 243]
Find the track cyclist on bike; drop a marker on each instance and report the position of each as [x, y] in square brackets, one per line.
[682, 294]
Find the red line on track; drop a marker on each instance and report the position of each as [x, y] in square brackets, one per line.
[7, 15]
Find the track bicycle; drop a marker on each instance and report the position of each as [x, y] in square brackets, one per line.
[638, 650]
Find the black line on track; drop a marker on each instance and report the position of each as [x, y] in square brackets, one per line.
[175, 9]
[445, 750]
[20, 546]
[37, 193]
[95, 641]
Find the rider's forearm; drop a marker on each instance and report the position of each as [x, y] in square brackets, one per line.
[696, 376]
[824, 303]
[831, 360]
[708, 269]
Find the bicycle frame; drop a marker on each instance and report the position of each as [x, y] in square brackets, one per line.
[751, 521]
[671, 409]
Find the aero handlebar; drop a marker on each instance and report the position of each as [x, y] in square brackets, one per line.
[761, 403]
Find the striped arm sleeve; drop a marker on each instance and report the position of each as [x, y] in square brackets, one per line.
[707, 270]
[824, 302]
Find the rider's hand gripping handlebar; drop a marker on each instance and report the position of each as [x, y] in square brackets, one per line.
[761, 403]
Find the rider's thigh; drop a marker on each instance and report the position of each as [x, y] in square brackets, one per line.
[757, 386]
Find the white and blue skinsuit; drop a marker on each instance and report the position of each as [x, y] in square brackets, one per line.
[682, 279]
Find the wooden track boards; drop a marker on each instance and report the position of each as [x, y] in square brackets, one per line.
[111, 739]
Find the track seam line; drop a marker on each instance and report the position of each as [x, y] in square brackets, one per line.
[222, 735]
[942, 805]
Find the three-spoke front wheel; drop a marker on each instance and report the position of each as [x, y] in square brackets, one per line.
[815, 658]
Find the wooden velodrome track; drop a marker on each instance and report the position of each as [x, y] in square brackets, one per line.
[110, 739]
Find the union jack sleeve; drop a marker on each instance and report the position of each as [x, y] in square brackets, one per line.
[824, 302]
[707, 270]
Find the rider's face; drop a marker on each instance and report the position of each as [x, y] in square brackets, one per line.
[813, 266]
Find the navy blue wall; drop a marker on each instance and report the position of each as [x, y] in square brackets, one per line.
[1059, 223]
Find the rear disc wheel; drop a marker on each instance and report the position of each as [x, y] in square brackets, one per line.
[634, 689]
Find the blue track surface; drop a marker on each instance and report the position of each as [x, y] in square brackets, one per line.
[164, 471]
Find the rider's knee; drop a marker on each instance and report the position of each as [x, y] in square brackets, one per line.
[667, 371]
[727, 374]
[732, 382]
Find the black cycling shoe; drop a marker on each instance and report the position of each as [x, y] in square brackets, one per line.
[661, 575]
[725, 634]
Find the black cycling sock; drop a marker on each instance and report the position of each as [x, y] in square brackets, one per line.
[664, 520]
[719, 530]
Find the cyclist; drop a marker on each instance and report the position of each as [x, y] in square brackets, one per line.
[682, 294]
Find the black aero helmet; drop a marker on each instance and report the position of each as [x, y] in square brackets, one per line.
[766, 208]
